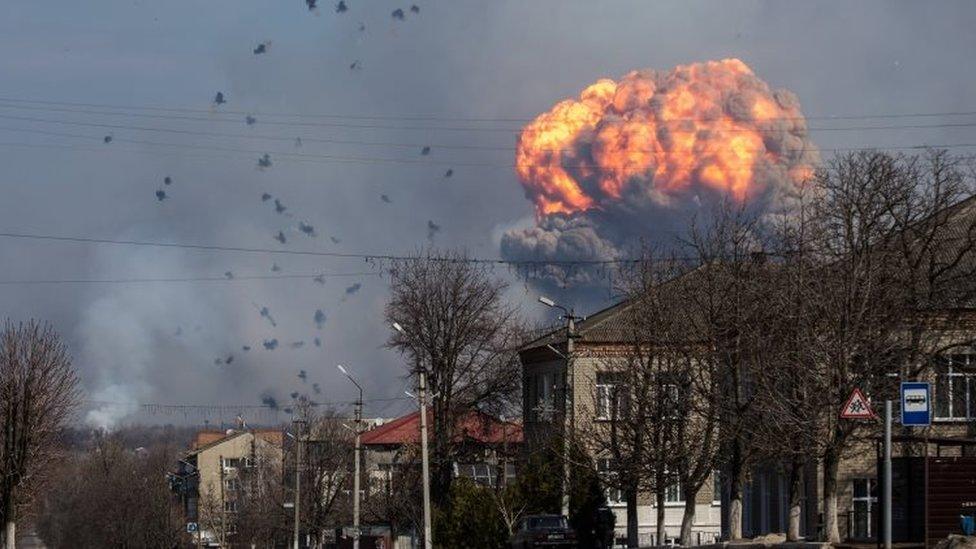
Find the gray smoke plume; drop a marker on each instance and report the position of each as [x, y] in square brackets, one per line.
[654, 150]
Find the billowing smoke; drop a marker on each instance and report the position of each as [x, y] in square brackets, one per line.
[632, 160]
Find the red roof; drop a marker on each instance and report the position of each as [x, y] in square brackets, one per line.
[473, 425]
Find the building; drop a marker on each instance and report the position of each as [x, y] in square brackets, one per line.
[944, 320]
[544, 375]
[486, 449]
[211, 477]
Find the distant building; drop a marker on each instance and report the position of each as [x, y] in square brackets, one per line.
[209, 477]
[487, 447]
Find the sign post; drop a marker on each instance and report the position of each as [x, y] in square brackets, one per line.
[857, 407]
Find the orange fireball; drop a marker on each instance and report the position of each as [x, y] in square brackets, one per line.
[710, 126]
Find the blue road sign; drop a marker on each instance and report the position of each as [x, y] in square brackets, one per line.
[916, 404]
[191, 527]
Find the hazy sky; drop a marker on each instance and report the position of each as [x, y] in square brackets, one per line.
[157, 342]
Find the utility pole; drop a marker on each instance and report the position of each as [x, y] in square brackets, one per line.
[428, 535]
[569, 411]
[298, 479]
[425, 460]
[887, 475]
[356, 456]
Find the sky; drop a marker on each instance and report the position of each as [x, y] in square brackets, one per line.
[502, 62]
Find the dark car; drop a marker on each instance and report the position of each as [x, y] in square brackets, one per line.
[547, 531]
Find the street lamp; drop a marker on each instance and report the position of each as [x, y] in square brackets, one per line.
[569, 378]
[299, 423]
[355, 482]
[422, 400]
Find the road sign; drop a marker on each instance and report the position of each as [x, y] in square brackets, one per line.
[916, 410]
[191, 527]
[857, 407]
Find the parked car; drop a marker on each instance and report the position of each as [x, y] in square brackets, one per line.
[544, 531]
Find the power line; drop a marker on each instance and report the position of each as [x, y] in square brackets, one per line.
[341, 255]
[329, 158]
[214, 407]
[447, 118]
[458, 128]
[234, 278]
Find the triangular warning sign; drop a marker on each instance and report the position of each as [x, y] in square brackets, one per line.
[857, 407]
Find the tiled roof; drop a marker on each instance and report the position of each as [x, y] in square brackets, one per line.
[473, 425]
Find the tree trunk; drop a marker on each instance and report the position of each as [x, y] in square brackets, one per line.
[10, 510]
[688, 520]
[831, 464]
[795, 489]
[737, 475]
[662, 534]
[632, 524]
[10, 538]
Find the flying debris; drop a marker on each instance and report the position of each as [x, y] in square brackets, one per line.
[432, 229]
[319, 279]
[448, 173]
[311, 4]
[229, 275]
[250, 120]
[229, 359]
[280, 237]
[262, 48]
[167, 180]
[246, 348]
[318, 342]
[107, 139]
[398, 14]
[334, 240]
[219, 98]
[218, 361]
[294, 395]
[303, 375]
[425, 151]
[354, 288]
[279, 207]
[270, 344]
[415, 8]
[319, 319]
[355, 66]
[386, 199]
[160, 195]
[264, 161]
[275, 268]
[362, 27]
[287, 410]
[297, 344]
[266, 313]
[306, 228]
[269, 401]
[316, 388]
[265, 197]
[341, 7]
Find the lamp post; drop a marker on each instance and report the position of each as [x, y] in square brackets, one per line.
[569, 385]
[355, 481]
[298, 478]
[425, 460]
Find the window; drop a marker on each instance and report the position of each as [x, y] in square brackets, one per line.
[543, 402]
[481, 473]
[670, 396]
[510, 473]
[230, 506]
[716, 487]
[864, 499]
[607, 470]
[230, 464]
[609, 395]
[955, 388]
[232, 484]
[673, 494]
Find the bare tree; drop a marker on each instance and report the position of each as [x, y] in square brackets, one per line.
[458, 326]
[38, 391]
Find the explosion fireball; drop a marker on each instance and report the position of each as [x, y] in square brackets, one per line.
[629, 158]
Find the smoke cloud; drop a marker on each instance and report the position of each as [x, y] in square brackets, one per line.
[632, 160]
